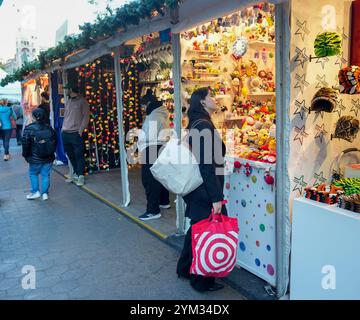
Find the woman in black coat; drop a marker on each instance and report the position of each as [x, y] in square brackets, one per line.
[209, 149]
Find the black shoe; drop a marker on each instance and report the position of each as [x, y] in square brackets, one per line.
[184, 276]
[216, 287]
[149, 216]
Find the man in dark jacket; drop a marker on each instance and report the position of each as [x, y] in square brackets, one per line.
[39, 145]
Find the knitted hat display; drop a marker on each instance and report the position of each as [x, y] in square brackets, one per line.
[347, 128]
[349, 80]
[324, 100]
[240, 47]
[327, 44]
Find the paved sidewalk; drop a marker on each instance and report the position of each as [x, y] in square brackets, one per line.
[80, 248]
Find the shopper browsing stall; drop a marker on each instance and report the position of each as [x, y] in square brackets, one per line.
[209, 195]
[76, 118]
[151, 138]
[45, 105]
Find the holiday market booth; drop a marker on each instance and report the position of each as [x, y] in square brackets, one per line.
[284, 112]
[146, 65]
[324, 154]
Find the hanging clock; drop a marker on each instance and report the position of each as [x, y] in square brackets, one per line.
[240, 47]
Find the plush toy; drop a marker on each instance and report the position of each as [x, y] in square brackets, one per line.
[272, 145]
[255, 84]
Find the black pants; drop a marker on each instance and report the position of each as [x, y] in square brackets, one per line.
[74, 148]
[199, 283]
[155, 192]
[5, 135]
[19, 128]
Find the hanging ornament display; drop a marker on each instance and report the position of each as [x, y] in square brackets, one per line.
[96, 81]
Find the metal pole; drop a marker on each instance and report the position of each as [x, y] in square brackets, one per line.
[283, 80]
[120, 107]
[176, 50]
[51, 102]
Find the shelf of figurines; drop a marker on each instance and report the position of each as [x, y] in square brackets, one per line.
[254, 43]
[235, 163]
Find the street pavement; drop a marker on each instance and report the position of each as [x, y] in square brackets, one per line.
[80, 248]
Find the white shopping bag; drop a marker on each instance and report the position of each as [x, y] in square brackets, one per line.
[177, 169]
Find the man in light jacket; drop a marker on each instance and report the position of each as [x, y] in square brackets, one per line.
[151, 138]
[76, 119]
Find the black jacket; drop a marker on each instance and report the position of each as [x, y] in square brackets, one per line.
[210, 155]
[29, 148]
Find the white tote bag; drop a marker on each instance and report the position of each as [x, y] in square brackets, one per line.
[176, 168]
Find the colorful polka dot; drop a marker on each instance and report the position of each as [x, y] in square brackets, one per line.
[242, 246]
[262, 228]
[257, 262]
[258, 243]
[247, 186]
[268, 248]
[270, 269]
[270, 208]
[254, 179]
[227, 185]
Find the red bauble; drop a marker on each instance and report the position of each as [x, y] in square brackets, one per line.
[237, 165]
[269, 179]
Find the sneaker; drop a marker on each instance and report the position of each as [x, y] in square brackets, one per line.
[149, 216]
[165, 206]
[45, 196]
[6, 157]
[33, 196]
[80, 181]
[70, 178]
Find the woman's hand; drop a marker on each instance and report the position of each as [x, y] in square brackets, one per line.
[217, 206]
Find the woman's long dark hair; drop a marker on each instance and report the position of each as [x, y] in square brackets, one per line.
[195, 101]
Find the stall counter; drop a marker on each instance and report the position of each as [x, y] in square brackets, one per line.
[325, 258]
[252, 201]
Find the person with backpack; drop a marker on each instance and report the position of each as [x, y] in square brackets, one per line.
[6, 116]
[39, 144]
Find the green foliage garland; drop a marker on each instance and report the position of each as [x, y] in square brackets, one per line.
[105, 26]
